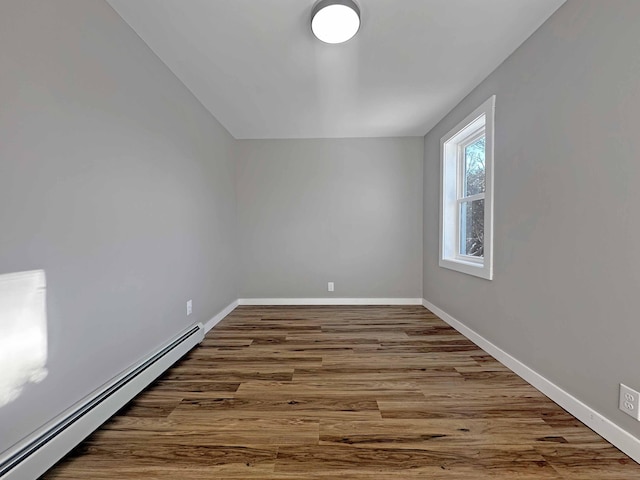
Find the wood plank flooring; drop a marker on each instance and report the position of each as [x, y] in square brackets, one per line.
[284, 393]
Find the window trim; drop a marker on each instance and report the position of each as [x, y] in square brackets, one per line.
[451, 187]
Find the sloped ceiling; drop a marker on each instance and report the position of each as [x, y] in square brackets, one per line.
[256, 66]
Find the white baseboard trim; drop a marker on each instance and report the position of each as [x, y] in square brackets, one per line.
[330, 301]
[38, 452]
[218, 317]
[615, 434]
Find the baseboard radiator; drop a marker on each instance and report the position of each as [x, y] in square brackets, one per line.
[37, 453]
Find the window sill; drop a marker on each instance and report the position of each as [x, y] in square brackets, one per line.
[476, 269]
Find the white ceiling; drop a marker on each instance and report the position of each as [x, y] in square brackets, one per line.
[256, 66]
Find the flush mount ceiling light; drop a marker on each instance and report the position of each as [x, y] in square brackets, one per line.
[335, 21]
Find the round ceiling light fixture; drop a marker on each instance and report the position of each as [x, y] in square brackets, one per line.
[335, 21]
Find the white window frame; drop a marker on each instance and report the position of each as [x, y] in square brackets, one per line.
[479, 122]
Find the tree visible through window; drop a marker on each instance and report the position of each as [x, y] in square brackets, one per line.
[472, 211]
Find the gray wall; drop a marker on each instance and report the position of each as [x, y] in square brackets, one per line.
[342, 210]
[116, 182]
[567, 174]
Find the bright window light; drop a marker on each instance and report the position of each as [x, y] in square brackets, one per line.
[23, 332]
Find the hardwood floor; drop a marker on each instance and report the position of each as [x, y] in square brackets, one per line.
[283, 393]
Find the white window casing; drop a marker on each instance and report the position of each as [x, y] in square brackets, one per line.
[452, 147]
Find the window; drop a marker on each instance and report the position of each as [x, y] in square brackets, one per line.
[466, 203]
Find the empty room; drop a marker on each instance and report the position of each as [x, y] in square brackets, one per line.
[319, 239]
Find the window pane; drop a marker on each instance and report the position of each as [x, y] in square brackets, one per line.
[472, 228]
[474, 168]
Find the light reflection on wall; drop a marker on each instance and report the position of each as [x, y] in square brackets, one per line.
[23, 332]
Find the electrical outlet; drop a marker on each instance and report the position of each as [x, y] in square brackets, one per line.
[629, 401]
[330, 286]
[189, 307]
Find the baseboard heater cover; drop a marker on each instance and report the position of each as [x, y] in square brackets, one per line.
[40, 451]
